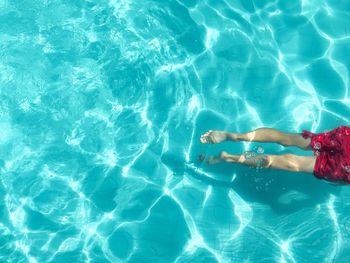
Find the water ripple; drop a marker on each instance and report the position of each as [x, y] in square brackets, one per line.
[102, 105]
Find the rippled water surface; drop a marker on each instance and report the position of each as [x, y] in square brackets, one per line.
[102, 105]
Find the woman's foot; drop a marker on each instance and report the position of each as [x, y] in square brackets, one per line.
[215, 136]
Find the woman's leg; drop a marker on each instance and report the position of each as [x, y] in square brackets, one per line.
[258, 135]
[287, 162]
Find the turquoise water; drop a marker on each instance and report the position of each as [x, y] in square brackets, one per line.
[102, 105]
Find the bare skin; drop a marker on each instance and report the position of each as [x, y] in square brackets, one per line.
[288, 162]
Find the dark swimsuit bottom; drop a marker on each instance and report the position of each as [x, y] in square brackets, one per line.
[332, 149]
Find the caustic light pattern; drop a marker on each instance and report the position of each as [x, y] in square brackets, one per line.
[102, 106]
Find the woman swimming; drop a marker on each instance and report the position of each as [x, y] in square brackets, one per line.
[331, 160]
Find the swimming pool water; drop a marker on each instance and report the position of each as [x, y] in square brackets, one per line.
[102, 105]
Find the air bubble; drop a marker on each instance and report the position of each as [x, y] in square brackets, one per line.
[347, 168]
[249, 154]
[260, 149]
[259, 163]
[317, 145]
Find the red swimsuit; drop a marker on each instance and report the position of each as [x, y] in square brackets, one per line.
[332, 149]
